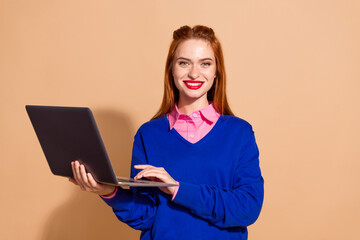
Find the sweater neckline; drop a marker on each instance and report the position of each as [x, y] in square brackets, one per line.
[182, 139]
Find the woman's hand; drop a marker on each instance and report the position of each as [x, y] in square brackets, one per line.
[156, 174]
[86, 181]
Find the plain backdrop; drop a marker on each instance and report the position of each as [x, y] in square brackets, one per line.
[293, 73]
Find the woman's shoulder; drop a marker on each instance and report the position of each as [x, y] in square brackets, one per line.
[235, 122]
[154, 125]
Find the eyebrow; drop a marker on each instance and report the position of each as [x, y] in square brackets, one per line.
[188, 59]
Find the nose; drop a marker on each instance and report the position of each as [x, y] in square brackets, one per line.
[194, 72]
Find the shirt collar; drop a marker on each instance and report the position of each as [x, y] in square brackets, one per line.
[209, 113]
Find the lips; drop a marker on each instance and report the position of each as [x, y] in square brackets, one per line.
[193, 84]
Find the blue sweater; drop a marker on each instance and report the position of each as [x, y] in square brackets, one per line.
[221, 187]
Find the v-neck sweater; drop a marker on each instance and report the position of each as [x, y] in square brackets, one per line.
[221, 187]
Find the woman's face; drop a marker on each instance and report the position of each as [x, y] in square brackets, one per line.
[194, 70]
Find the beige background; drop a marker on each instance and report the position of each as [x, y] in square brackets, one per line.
[293, 73]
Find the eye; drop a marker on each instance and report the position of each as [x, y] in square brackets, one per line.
[183, 63]
[206, 64]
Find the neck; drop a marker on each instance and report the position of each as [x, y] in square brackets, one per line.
[188, 107]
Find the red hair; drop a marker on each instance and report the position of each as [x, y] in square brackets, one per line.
[217, 93]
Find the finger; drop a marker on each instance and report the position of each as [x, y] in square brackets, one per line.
[73, 181]
[151, 170]
[153, 179]
[142, 166]
[157, 173]
[74, 172]
[84, 177]
[141, 173]
[154, 169]
[92, 181]
[78, 175]
[148, 168]
[160, 176]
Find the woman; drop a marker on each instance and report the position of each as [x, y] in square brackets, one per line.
[195, 142]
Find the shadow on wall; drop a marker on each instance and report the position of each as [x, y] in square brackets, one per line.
[85, 215]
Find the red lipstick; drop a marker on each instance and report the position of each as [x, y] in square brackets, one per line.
[193, 84]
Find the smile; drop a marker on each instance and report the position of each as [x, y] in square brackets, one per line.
[193, 84]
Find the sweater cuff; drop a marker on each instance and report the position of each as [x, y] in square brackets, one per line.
[110, 196]
[122, 196]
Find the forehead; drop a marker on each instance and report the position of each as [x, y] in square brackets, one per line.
[194, 48]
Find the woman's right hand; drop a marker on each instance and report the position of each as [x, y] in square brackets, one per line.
[87, 182]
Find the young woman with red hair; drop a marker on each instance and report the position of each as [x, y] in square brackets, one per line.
[195, 142]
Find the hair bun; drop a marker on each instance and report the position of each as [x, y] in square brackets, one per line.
[182, 32]
[198, 31]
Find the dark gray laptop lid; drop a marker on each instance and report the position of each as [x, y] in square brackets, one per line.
[67, 134]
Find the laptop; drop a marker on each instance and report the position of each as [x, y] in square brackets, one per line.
[67, 134]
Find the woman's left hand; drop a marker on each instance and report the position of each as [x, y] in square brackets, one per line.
[156, 174]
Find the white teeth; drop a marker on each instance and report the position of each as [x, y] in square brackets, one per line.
[193, 84]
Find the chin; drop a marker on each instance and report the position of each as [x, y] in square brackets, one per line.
[193, 97]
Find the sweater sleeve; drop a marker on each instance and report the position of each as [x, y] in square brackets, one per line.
[135, 206]
[237, 206]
